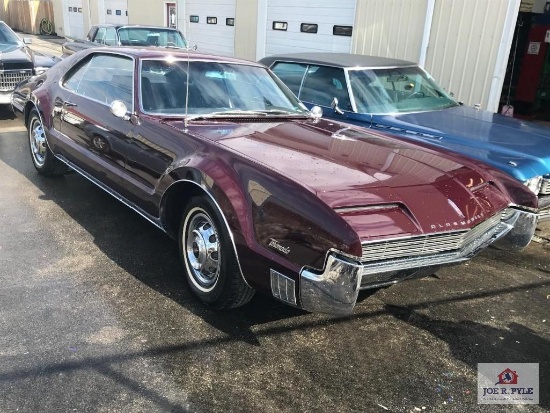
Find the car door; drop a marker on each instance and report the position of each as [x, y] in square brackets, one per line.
[154, 146]
[94, 139]
[317, 85]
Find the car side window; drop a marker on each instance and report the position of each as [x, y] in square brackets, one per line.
[99, 35]
[110, 36]
[322, 84]
[103, 78]
[91, 33]
[106, 36]
[291, 74]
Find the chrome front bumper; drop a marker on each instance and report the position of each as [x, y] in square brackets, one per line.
[334, 290]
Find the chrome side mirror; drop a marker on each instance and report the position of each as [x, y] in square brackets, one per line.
[316, 112]
[119, 109]
[334, 105]
[27, 40]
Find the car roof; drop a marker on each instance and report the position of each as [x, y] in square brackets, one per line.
[337, 60]
[137, 26]
[163, 53]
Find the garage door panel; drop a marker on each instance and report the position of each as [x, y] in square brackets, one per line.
[325, 13]
[113, 6]
[211, 38]
[284, 47]
[76, 19]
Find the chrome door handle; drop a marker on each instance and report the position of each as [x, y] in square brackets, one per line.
[69, 104]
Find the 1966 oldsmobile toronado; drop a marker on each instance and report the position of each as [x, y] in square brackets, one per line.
[261, 194]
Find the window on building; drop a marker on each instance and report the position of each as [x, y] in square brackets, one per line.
[280, 26]
[342, 30]
[308, 28]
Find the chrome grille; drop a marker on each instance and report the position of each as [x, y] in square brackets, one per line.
[545, 187]
[10, 78]
[425, 244]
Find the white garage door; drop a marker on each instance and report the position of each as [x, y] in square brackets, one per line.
[76, 19]
[302, 19]
[116, 11]
[209, 26]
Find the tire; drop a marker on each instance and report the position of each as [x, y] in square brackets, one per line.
[46, 26]
[43, 159]
[210, 263]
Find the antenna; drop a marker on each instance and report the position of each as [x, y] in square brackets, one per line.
[186, 121]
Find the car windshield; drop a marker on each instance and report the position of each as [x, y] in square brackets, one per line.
[147, 36]
[8, 39]
[215, 89]
[402, 89]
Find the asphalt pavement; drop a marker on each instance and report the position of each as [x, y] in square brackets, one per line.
[95, 317]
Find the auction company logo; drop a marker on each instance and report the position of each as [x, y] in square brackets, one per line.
[516, 383]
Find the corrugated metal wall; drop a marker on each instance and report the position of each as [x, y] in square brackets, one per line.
[389, 28]
[464, 43]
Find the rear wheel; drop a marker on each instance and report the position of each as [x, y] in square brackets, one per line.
[43, 159]
[212, 270]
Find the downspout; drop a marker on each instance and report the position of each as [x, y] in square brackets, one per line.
[427, 31]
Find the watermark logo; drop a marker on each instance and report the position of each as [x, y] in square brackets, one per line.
[508, 383]
[507, 377]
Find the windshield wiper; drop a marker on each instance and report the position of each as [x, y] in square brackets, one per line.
[246, 114]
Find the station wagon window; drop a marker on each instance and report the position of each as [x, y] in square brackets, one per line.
[291, 74]
[324, 83]
[106, 36]
[103, 78]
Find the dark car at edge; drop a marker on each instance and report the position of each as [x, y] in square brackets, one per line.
[18, 62]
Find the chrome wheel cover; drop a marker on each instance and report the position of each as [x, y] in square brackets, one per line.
[37, 139]
[201, 249]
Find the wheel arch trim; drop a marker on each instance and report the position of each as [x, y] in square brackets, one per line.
[31, 103]
[205, 190]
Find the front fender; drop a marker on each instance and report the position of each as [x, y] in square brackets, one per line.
[275, 223]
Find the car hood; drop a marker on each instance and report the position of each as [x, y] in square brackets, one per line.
[522, 149]
[16, 57]
[347, 167]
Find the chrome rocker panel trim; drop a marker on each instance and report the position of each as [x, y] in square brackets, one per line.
[334, 289]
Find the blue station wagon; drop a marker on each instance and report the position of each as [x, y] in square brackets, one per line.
[399, 97]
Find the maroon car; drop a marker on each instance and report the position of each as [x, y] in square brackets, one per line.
[260, 194]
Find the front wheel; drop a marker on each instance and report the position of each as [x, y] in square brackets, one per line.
[212, 270]
[43, 159]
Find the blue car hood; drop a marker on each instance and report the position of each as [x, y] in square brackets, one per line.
[521, 149]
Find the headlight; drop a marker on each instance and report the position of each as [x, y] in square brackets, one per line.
[38, 70]
[534, 184]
